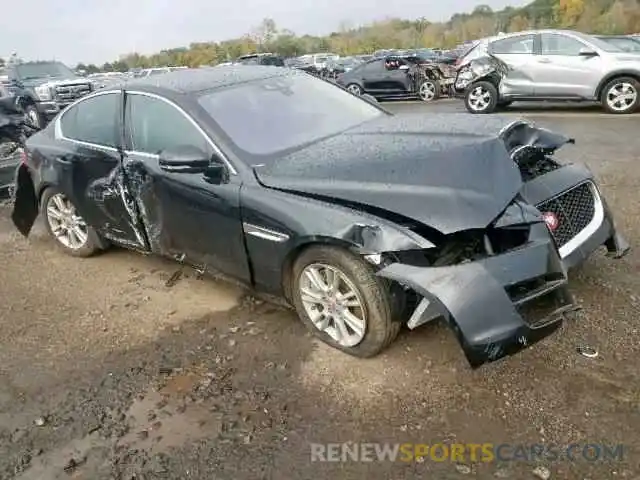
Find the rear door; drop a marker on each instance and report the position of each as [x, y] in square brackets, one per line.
[517, 52]
[89, 167]
[186, 215]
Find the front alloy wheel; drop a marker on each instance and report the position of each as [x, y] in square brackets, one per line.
[481, 97]
[355, 89]
[33, 117]
[339, 297]
[333, 304]
[621, 95]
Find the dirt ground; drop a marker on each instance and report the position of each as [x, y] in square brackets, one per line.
[106, 372]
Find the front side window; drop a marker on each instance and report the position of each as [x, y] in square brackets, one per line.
[93, 120]
[154, 125]
[555, 44]
[522, 44]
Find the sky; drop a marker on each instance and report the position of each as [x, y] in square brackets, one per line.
[96, 31]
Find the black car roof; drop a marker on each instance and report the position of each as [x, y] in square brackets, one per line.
[201, 79]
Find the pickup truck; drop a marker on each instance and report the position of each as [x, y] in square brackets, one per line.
[46, 88]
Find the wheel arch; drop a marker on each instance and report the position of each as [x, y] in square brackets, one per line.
[612, 76]
[301, 246]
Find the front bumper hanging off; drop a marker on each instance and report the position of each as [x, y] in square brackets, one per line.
[498, 305]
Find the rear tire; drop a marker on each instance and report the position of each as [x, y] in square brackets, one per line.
[66, 227]
[621, 96]
[376, 306]
[429, 90]
[481, 98]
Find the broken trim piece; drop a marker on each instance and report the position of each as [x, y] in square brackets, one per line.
[264, 233]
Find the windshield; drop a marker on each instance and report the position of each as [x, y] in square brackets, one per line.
[280, 113]
[624, 44]
[27, 71]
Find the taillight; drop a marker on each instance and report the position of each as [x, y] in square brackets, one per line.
[23, 157]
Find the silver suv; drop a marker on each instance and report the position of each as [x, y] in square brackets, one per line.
[550, 65]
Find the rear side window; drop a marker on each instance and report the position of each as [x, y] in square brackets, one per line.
[94, 120]
[513, 45]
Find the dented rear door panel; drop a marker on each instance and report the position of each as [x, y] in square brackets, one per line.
[93, 178]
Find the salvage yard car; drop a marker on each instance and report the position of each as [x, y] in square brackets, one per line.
[548, 65]
[394, 76]
[365, 221]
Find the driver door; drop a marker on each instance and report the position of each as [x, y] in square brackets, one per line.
[562, 71]
[397, 80]
[373, 77]
[185, 214]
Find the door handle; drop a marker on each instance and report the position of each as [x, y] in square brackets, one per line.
[544, 60]
[63, 161]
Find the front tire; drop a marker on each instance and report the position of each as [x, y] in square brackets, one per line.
[621, 95]
[355, 89]
[33, 116]
[66, 226]
[481, 98]
[340, 299]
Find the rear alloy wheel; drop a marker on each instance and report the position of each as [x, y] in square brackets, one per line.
[481, 98]
[355, 89]
[340, 299]
[621, 95]
[429, 90]
[67, 227]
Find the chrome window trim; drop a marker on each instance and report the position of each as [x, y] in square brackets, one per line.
[191, 120]
[58, 133]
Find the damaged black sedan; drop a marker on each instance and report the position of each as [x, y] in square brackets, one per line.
[363, 220]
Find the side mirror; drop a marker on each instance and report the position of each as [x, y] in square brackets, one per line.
[216, 173]
[184, 159]
[587, 52]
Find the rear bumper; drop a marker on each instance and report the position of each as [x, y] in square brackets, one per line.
[496, 306]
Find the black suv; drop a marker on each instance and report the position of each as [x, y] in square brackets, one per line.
[46, 87]
[261, 59]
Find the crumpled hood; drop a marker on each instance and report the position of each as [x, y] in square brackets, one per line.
[450, 172]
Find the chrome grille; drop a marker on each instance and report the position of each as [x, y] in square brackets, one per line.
[574, 209]
[69, 93]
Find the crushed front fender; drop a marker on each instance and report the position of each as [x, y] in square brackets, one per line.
[498, 305]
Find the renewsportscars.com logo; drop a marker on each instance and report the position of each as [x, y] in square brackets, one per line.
[464, 452]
